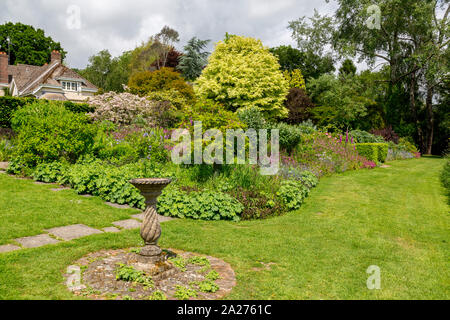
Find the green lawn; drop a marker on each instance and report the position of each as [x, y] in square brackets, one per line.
[26, 209]
[396, 218]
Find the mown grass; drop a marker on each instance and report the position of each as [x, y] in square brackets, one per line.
[26, 209]
[396, 218]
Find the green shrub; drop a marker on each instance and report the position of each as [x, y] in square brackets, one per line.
[292, 193]
[290, 136]
[108, 182]
[78, 107]
[131, 143]
[48, 132]
[49, 172]
[398, 152]
[252, 117]
[212, 115]
[307, 127]
[406, 145]
[376, 152]
[383, 149]
[8, 105]
[146, 82]
[365, 137]
[205, 205]
[6, 150]
[256, 204]
[307, 178]
[15, 166]
[368, 151]
[174, 97]
[248, 177]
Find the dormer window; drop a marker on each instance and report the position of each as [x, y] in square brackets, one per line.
[70, 86]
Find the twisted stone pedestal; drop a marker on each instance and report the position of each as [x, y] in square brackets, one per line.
[151, 189]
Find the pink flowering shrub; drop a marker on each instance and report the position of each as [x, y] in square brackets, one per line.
[122, 108]
[369, 165]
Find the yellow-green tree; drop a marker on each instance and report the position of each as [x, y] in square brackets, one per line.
[241, 72]
[295, 79]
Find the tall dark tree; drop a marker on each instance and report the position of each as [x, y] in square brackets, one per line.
[119, 73]
[171, 61]
[311, 64]
[27, 45]
[410, 39]
[299, 105]
[194, 58]
[163, 44]
[107, 73]
[289, 58]
[98, 69]
[348, 68]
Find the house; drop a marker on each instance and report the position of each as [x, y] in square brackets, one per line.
[53, 81]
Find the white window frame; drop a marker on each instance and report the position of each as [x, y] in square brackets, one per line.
[69, 86]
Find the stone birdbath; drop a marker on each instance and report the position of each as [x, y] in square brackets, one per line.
[151, 189]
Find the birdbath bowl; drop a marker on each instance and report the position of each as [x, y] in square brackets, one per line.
[151, 189]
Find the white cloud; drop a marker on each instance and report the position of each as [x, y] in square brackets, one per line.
[120, 25]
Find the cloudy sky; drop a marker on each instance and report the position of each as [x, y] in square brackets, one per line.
[120, 25]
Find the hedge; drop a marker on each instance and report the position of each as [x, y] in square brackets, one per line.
[376, 152]
[383, 149]
[10, 104]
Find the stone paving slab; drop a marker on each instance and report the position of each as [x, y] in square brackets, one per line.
[73, 232]
[36, 241]
[8, 248]
[4, 165]
[111, 230]
[164, 219]
[139, 216]
[60, 189]
[128, 224]
[161, 219]
[118, 206]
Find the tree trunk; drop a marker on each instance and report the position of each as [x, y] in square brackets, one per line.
[412, 101]
[430, 119]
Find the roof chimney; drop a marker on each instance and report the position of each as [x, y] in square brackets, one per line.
[56, 56]
[4, 68]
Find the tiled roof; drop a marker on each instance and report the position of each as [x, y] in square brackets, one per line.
[28, 78]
